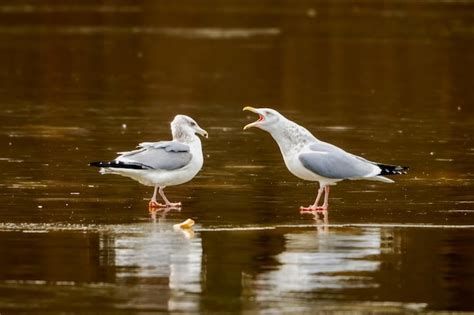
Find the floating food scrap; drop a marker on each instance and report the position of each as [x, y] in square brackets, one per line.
[184, 225]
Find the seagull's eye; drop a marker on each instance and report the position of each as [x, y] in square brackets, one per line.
[193, 124]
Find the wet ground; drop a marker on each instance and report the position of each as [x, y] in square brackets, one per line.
[391, 81]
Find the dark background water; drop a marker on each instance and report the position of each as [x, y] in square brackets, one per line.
[389, 80]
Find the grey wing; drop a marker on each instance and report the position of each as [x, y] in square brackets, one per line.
[166, 155]
[166, 145]
[332, 162]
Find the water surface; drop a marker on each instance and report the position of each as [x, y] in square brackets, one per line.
[390, 81]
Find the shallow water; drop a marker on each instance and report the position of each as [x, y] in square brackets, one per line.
[388, 81]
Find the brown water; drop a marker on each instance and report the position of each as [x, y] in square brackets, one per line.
[389, 80]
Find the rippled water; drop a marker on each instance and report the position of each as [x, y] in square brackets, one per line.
[390, 81]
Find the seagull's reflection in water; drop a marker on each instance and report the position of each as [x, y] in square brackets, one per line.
[154, 254]
[323, 262]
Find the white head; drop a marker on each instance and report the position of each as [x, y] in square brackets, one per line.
[286, 133]
[268, 118]
[184, 127]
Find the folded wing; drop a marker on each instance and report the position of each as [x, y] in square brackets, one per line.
[330, 161]
[164, 155]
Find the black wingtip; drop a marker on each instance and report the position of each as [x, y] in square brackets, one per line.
[393, 169]
[119, 164]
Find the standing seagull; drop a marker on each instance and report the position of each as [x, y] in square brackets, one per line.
[164, 163]
[311, 159]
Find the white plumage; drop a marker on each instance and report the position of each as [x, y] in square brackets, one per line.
[311, 159]
[164, 163]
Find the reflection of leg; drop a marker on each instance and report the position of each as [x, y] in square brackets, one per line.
[321, 218]
[152, 214]
[322, 221]
[163, 211]
[168, 203]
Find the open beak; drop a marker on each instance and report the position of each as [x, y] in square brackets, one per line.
[255, 123]
[202, 132]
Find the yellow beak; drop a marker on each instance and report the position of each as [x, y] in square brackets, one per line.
[202, 132]
[251, 109]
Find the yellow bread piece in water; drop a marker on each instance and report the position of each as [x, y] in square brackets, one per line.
[185, 224]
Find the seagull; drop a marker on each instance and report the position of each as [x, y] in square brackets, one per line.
[310, 159]
[164, 163]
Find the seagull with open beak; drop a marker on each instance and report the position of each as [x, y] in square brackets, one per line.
[313, 160]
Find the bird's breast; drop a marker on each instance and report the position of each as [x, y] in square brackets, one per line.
[295, 166]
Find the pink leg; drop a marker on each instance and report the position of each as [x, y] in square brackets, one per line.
[320, 191]
[168, 203]
[314, 207]
[153, 203]
[326, 198]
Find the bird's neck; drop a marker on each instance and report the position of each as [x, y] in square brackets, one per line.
[196, 149]
[290, 136]
[187, 138]
[182, 134]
